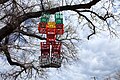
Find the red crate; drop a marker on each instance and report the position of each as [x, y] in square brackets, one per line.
[45, 45]
[42, 27]
[51, 31]
[51, 37]
[59, 26]
[42, 30]
[51, 34]
[42, 24]
[45, 50]
[56, 47]
[59, 31]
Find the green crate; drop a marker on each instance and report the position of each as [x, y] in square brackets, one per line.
[58, 16]
[47, 15]
[59, 21]
[45, 18]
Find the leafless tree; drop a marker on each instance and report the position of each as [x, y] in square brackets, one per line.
[18, 21]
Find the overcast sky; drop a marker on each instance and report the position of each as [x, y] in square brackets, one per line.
[99, 56]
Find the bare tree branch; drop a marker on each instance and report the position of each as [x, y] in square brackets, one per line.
[10, 28]
[42, 5]
[89, 22]
[102, 18]
[7, 54]
[3, 1]
[31, 35]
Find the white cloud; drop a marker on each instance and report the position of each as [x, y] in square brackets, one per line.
[98, 57]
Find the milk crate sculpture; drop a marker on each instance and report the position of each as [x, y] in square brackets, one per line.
[51, 49]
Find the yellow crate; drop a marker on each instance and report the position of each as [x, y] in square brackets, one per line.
[51, 25]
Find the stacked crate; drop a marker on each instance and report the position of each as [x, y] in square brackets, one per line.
[59, 23]
[51, 49]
